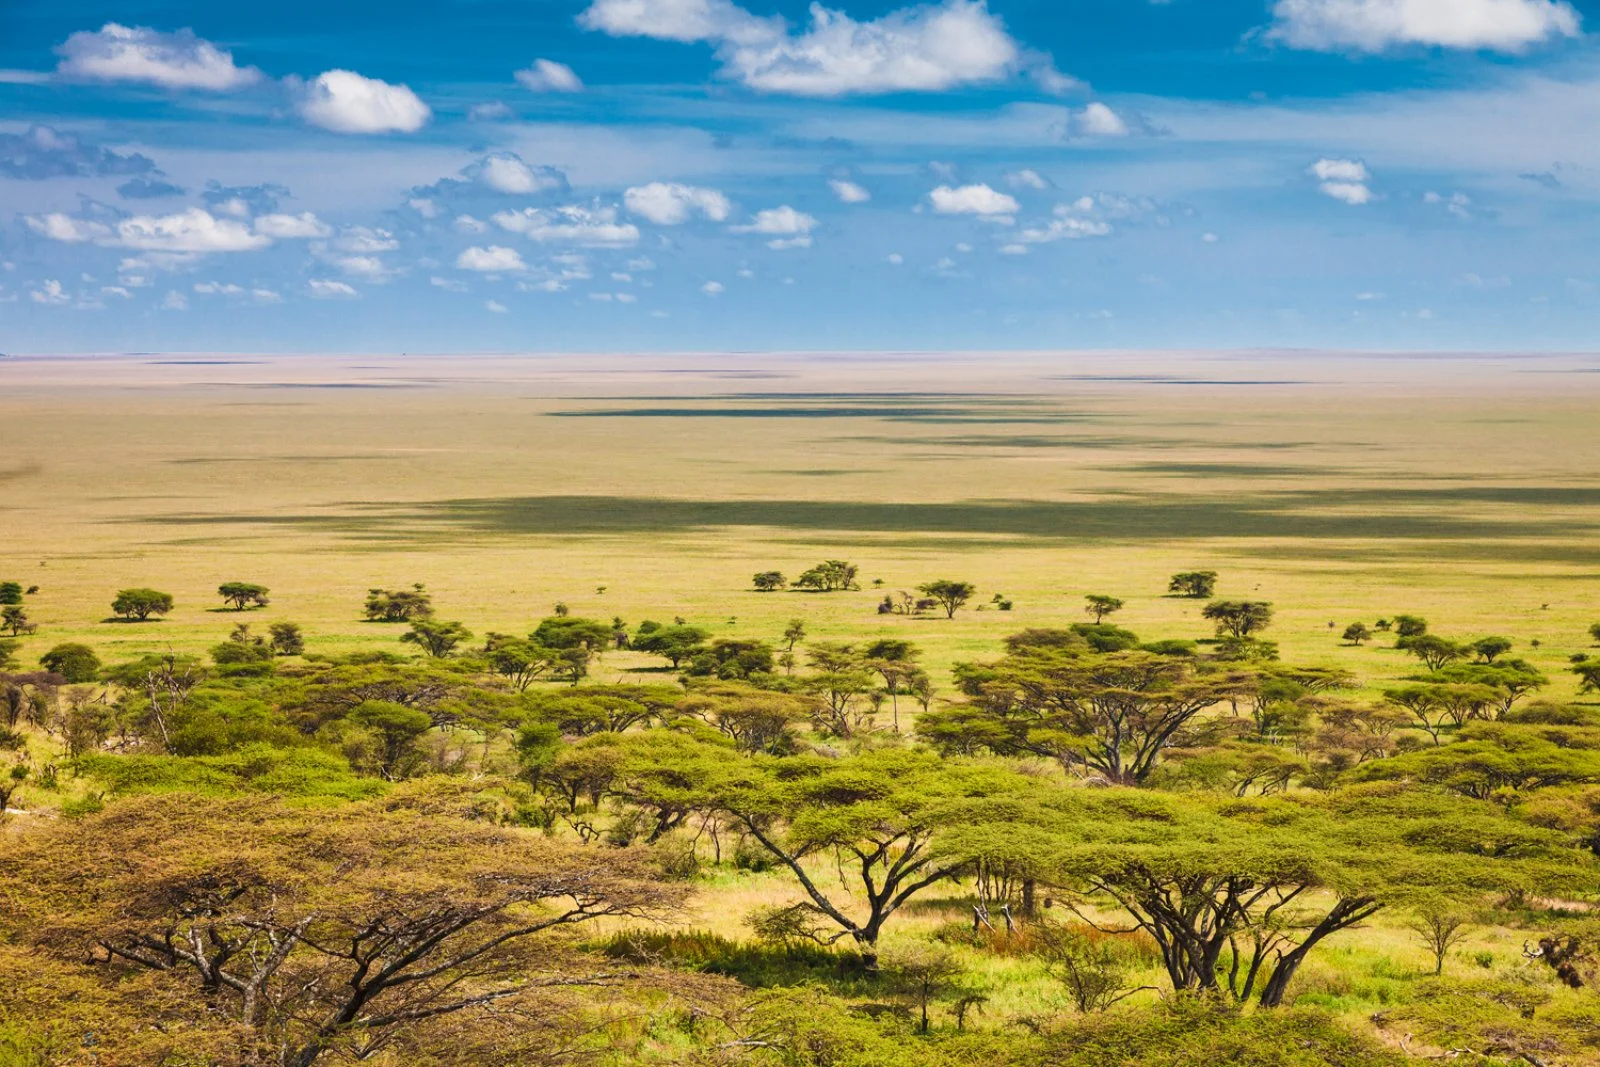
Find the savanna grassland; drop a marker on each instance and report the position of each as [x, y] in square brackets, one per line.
[370, 849]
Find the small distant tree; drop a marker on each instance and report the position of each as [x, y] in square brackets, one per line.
[243, 654]
[74, 662]
[769, 581]
[1197, 585]
[438, 639]
[1357, 632]
[561, 610]
[1239, 618]
[948, 594]
[1435, 652]
[14, 620]
[1594, 633]
[398, 605]
[829, 576]
[398, 729]
[286, 639]
[1092, 968]
[675, 643]
[10, 592]
[243, 595]
[793, 634]
[1410, 626]
[1488, 649]
[923, 971]
[1101, 606]
[1588, 673]
[139, 604]
[1440, 925]
[8, 654]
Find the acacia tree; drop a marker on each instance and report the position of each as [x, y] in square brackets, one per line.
[344, 932]
[1112, 713]
[829, 576]
[1357, 632]
[950, 595]
[1100, 606]
[1239, 618]
[1196, 585]
[769, 581]
[14, 620]
[437, 639]
[1435, 652]
[74, 662]
[243, 595]
[139, 604]
[879, 817]
[398, 605]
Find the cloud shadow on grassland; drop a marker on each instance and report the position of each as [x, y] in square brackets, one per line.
[1406, 520]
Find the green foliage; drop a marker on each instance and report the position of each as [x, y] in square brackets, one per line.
[769, 581]
[10, 593]
[1435, 652]
[398, 605]
[829, 576]
[1357, 632]
[286, 639]
[1197, 585]
[673, 643]
[1409, 626]
[730, 659]
[571, 632]
[139, 604]
[1100, 606]
[1238, 618]
[294, 773]
[74, 662]
[950, 595]
[243, 595]
[436, 638]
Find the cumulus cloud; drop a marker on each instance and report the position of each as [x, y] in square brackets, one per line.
[494, 306]
[780, 221]
[548, 76]
[1343, 179]
[713, 288]
[175, 301]
[1379, 25]
[468, 224]
[505, 172]
[1027, 179]
[49, 293]
[139, 54]
[1065, 226]
[925, 48]
[589, 227]
[491, 260]
[65, 228]
[493, 111]
[977, 199]
[43, 152]
[849, 192]
[345, 102]
[1098, 120]
[364, 240]
[289, 227]
[194, 230]
[243, 200]
[218, 289]
[327, 289]
[669, 203]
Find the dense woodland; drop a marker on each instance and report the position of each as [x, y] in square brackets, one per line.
[1082, 848]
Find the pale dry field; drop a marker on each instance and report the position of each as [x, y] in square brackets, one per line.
[1465, 489]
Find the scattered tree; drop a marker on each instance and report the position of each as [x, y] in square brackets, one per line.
[770, 581]
[1101, 606]
[139, 604]
[1440, 925]
[1435, 652]
[923, 971]
[1239, 618]
[1489, 649]
[674, 643]
[948, 594]
[1196, 585]
[398, 605]
[14, 619]
[243, 595]
[286, 639]
[1357, 632]
[1410, 626]
[829, 576]
[437, 639]
[74, 662]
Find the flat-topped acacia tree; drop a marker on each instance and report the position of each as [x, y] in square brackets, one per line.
[137, 605]
[242, 595]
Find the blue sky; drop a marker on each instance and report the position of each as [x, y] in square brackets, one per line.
[515, 175]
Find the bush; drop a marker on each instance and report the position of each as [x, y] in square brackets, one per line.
[74, 662]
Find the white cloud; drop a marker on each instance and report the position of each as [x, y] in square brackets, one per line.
[849, 192]
[642, 263]
[713, 288]
[266, 296]
[139, 54]
[1027, 179]
[345, 102]
[1064, 227]
[1379, 25]
[218, 289]
[495, 258]
[49, 293]
[235, 206]
[115, 290]
[926, 48]
[589, 227]
[506, 173]
[494, 306]
[369, 267]
[895, 257]
[627, 298]
[669, 203]
[1210, 238]
[424, 207]
[326, 289]
[449, 285]
[175, 301]
[780, 244]
[493, 111]
[468, 224]
[782, 221]
[548, 76]
[1005, 250]
[602, 297]
[1098, 120]
[59, 227]
[194, 230]
[977, 200]
[288, 227]
[1343, 179]
[364, 240]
